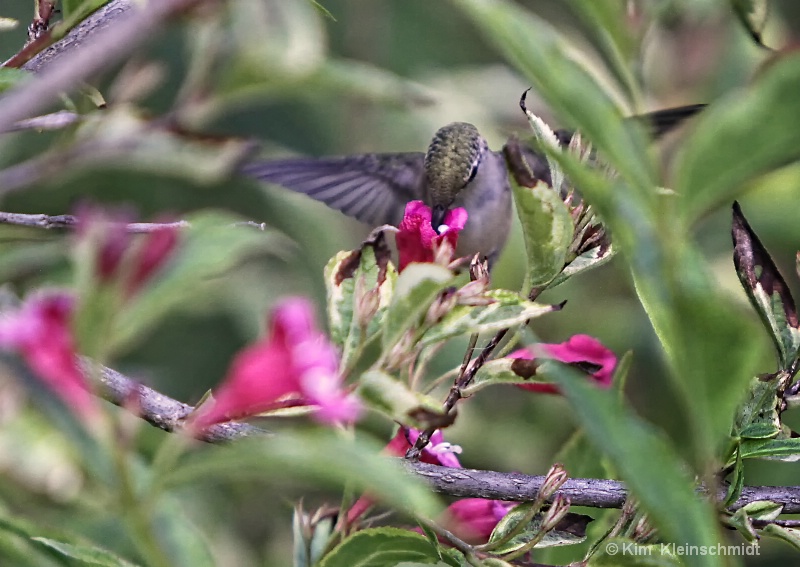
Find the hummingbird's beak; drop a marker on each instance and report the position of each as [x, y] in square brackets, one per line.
[437, 217]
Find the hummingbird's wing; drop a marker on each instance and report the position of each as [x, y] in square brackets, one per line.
[662, 121]
[657, 123]
[373, 188]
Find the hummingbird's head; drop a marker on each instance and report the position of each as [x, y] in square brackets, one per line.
[451, 162]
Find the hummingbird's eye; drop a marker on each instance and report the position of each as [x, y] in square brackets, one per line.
[473, 170]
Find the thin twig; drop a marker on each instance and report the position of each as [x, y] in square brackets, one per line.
[71, 222]
[156, 408]
[50, 222]
[53, 121]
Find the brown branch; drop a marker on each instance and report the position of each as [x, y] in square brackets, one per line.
[589, 492]
[167, 413]
[70, 222]
[154, 407]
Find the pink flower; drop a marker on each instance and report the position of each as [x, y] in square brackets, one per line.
[295, 359]
[40, 331]
[106, 231]
[583, 351]
[416, 238]
[474, 519]
[116, 255]
[155, 250]
[437, 452]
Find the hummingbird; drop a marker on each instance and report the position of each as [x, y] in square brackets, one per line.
[457, 170]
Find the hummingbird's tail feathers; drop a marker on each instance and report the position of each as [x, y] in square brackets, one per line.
[373, 188]
[662, 121]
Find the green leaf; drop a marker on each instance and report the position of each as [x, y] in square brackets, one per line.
[18, 548]
[360, 285]
[758, 416]
[512, 371]
[737, 482]
[592, 258]
[393, 398]
[382, 547]
[86, 554]
[739, 138]
[316, 455]
[787, 450]
[766, 289]
[534, 47]
[789, 535]
[763, 509]
[183, 541]
[753, 16]
[11, 77]
[547, 229]
[646, 462]
[609, 25]
[209, 247]
[74, 12]
[506, 310]
[573, 530]
[741, 523]
[620, 552]
[697, 326]
[415, 290]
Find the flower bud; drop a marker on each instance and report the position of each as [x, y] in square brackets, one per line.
[554, 480]
[555, 513]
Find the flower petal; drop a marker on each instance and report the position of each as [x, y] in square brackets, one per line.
[40, 330]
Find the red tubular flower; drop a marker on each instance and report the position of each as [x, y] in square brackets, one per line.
[579, 349]
[40, 331]
[112, 240]
[155, 250]
[416, 238]
[294, 359]
[474, 519]
[114, 246]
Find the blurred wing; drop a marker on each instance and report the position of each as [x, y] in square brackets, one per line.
[373, 188]
[657, 123]
[662, 121]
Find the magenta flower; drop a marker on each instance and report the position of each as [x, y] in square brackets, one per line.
[583, 351]
[40, 331]
[437, 452]
[155, 250]
[474, 519]
[117, 255]
[416, 238]
[111, 239]
[294, 360]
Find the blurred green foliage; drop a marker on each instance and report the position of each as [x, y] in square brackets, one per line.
[383, 75]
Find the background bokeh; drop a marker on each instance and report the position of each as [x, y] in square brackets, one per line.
[379, 76]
